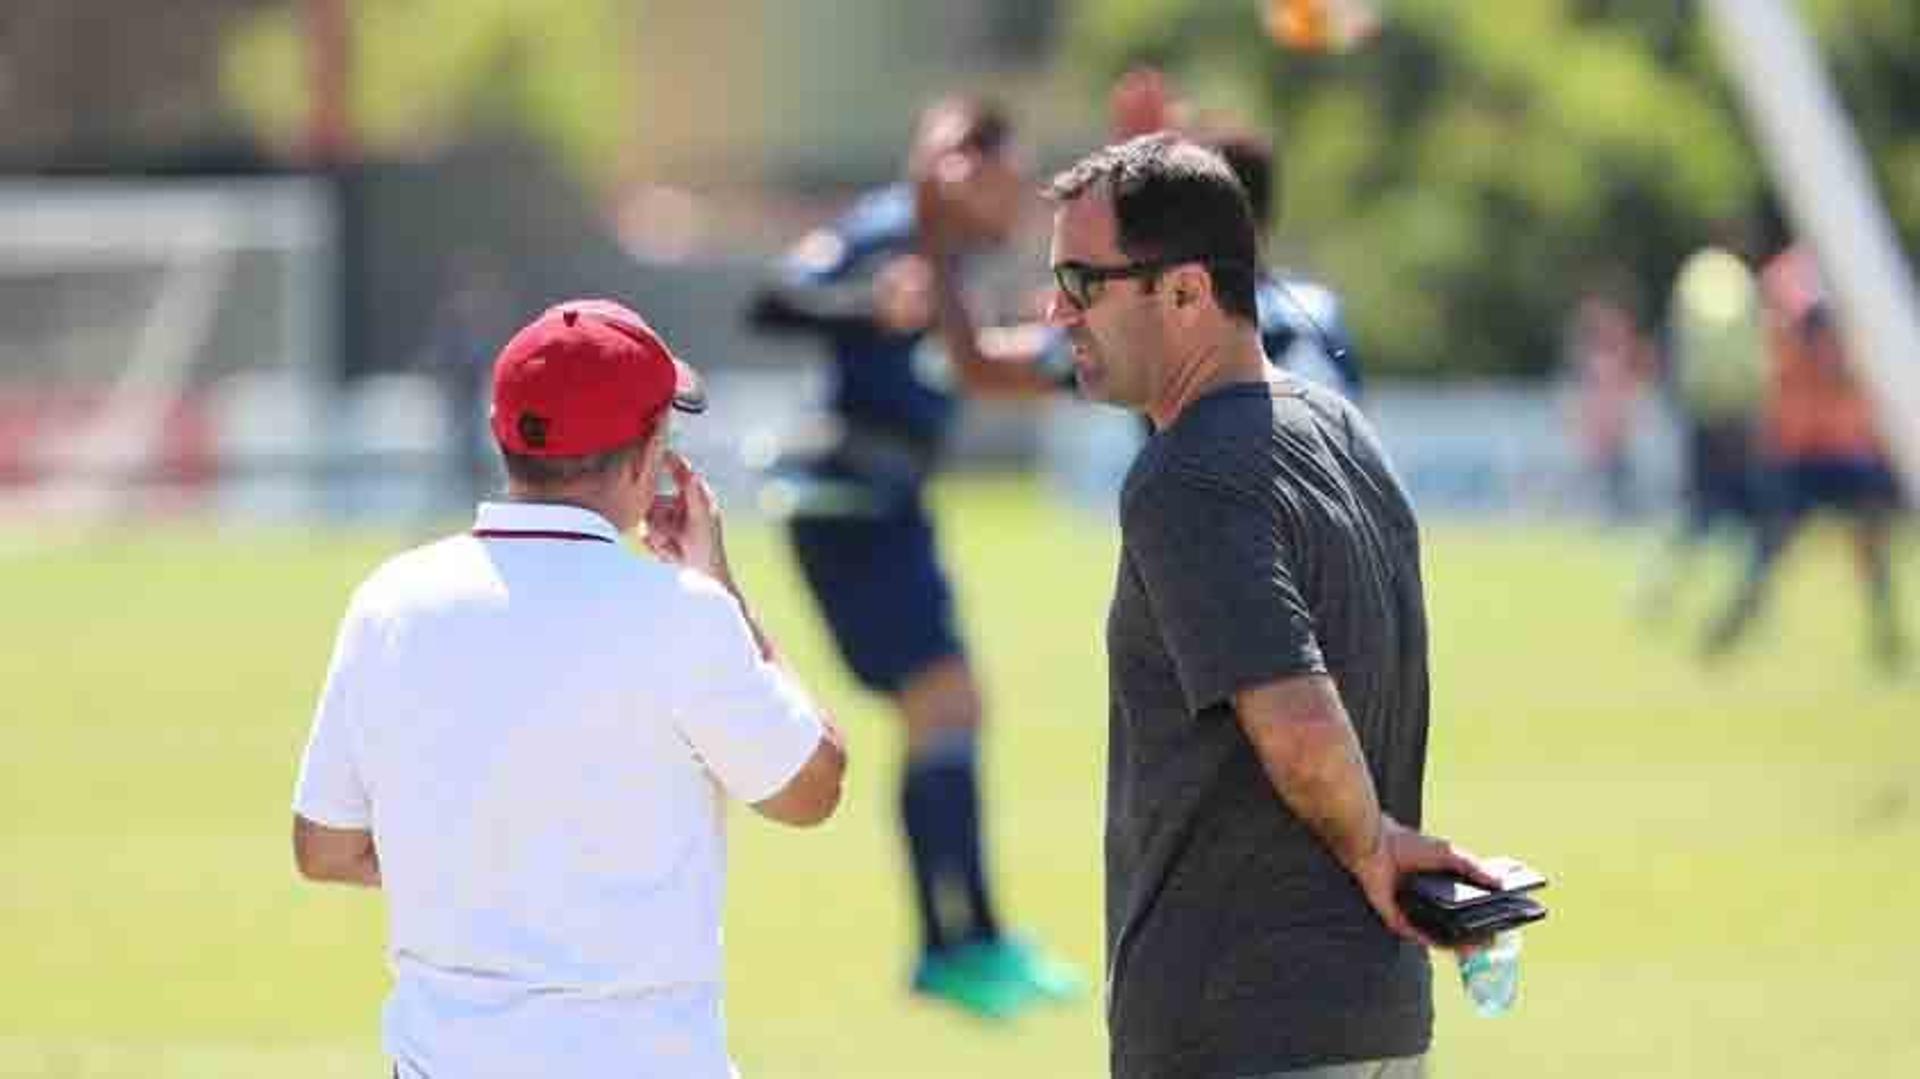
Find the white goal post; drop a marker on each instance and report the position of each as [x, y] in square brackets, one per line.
[163, 342]
[1828, 190]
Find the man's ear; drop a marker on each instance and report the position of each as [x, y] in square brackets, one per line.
[1189, 284]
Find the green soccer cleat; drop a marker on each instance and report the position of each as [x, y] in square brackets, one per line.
[968, 978]
[1024, 961]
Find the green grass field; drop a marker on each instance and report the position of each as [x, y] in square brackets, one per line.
[1735, 851]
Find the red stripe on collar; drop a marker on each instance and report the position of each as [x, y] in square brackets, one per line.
[537, 533]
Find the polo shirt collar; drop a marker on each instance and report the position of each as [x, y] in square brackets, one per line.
[543, 517]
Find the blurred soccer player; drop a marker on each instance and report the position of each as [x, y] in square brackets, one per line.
[1823, 452]
[869, 286]
[1716, 372]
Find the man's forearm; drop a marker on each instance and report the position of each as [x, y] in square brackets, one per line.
[952, 315]
[839, 308]
[1310, 755]
[1000, 362]
[772, 655]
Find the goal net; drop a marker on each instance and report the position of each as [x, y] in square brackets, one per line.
[165, 346]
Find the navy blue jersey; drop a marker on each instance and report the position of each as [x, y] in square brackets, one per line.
[1302, 331]
[898, 384]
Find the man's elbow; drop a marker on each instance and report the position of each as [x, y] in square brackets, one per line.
[818, 809]
[331, 855]
[823, 797]
[316, 866]
[813, 795]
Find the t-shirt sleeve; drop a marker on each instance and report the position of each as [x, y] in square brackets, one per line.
[821, 257]
[331, 789]
[745, 719]
[1221, 581]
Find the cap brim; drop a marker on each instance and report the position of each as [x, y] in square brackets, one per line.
[689, 393]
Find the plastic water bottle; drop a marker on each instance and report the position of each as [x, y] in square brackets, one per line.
[1492, 976]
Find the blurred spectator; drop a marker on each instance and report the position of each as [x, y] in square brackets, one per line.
[1716, 364]
[1822, 451]
[1608, 361]
[467, 331]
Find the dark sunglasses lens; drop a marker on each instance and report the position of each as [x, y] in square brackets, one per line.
[1073, 283]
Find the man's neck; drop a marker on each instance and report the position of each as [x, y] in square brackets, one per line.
[576, 499]
[1233, 358]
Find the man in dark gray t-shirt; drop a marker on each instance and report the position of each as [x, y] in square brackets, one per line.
[1267, 659]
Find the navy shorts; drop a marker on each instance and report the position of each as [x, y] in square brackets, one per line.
[879, 583]
[1850, 485]
[1721, 473]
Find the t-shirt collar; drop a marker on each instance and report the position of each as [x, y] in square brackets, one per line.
[544, 517]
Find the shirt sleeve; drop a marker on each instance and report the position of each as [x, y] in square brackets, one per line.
[750, 725]
[331, 790]
[822, 257]
[1222, 582]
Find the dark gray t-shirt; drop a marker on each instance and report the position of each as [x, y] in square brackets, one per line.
[1263, 535]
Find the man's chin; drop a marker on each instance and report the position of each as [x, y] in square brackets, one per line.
[1087, 381]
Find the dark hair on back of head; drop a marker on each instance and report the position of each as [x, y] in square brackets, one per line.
[984, 127]
[1175, 199]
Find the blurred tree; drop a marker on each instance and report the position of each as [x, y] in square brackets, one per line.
[424, 71]
[107, 82]
[1469, 172]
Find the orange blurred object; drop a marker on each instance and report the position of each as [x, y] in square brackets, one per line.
[1320, 25]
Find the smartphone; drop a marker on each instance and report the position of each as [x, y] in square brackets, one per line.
[1451, 893]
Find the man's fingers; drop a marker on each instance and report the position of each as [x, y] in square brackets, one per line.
[1467, 865]
[1388, 908]
[702, 504]
[666, 513]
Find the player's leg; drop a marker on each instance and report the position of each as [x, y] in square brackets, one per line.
[890, 610]
[1790, 492]
[1699, 506]
[940, 796]
[1872, 507]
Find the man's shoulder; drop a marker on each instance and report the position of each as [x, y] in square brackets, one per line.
[878, 223]
[1215, 446]
[413, 571]
[881, 219]
[459, 562]
[1215, 435]
[1289, 298]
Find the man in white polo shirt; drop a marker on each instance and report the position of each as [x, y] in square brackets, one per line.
[527, 734]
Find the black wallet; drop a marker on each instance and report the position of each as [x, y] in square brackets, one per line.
[1453, 910]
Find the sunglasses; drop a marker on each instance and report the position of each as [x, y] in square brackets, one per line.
[1077, 280]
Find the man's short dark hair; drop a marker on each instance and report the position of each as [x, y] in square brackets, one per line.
[539, 473]
[1175, 199]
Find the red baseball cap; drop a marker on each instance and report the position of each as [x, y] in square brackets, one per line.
[586, 377]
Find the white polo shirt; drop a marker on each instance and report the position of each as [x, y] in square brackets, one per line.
[539, 727]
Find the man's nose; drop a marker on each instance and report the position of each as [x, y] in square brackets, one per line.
[1061, 311]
